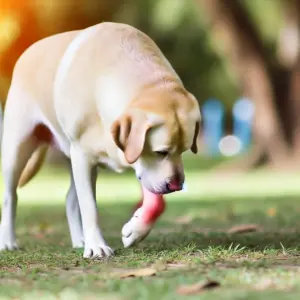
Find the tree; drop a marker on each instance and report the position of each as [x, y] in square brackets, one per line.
[24, 22]
[272, 82]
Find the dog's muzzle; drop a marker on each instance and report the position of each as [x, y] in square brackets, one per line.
[174, 185]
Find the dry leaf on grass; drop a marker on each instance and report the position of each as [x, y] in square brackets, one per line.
[244, 228]
[138, 273]
[197, 288]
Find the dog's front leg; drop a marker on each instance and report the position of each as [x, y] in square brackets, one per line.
[83, 168]
[140, 202]
[144, 218]
[73, 215]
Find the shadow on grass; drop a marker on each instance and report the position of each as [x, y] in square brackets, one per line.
[185, 223]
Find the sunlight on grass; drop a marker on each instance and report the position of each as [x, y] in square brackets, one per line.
[190, 243]
[200, 185]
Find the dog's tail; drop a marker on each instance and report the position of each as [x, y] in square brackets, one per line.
[33, 165]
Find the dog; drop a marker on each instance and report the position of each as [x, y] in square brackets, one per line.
[103, 96]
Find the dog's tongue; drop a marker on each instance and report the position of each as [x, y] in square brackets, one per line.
[153, 206]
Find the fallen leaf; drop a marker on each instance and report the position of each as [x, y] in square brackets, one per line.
[272, 212]
[197, 288]
[243, 228]
[139, 273]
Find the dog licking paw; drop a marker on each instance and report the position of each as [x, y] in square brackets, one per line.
[135, 230]
[143, 220]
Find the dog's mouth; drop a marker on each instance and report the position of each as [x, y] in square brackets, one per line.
[165, 189]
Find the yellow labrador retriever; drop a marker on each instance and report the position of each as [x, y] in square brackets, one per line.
[107, 96]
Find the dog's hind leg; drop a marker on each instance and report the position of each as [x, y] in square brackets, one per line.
[18, 145]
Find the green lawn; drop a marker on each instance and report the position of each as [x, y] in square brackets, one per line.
[190, 243]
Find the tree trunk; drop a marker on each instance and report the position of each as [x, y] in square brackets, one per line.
[295, 107]
[230, 23]
[289, 59]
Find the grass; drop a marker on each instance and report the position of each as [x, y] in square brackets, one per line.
[189, 244]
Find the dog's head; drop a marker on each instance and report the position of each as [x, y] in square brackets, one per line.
[154, 133]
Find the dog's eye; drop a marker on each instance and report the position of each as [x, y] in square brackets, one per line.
[163, 153]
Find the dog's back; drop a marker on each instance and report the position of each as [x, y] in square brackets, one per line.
[31, 91]
[35, 70]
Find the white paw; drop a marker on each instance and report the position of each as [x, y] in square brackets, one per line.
[7, 241]
[95, 246]
[135, 230]
[98, 252]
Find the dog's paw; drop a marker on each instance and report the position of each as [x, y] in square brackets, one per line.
[98, 252]
[7, 242]
[135, 230]
[95, 245]
[10, 246]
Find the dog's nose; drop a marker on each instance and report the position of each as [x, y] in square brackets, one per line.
[175, 185]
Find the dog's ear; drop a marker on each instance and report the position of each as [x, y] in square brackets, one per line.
[194, 147]
[129, 134]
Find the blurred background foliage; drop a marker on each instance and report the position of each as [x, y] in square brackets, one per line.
[177, 26]
[222, 49]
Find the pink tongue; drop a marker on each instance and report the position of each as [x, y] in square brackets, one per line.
[153, 206]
